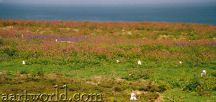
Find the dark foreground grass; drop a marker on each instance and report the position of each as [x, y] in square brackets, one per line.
[174, 83]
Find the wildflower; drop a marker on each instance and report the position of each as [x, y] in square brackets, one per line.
[139, 62]
[22, 35]
[56, 40]
[203, 73]
[23, 62]
[133, 96]
[180, 62]
[117, 61]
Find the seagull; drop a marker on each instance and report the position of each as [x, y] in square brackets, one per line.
[23, 62]
[139, 62]
[203, 73]
[117, 61]
[133, 96]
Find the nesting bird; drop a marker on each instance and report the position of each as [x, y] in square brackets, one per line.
[133, 96]
[117, 61]
[203, 73]
[98, 82]
[139, 62]
[23, 62]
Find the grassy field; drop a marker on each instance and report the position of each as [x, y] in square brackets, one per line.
[84, 56]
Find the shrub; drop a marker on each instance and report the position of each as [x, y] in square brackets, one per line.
[200, 86]
[153, 88]
[1, 41]
[9, 23]
[214, 73]
[162, 88]
[192, 85]
[174, 84]
[145, 76]
[38, 72]
[136, 75]
[10, 51]
[117, 89]
[9, 73]
[23, 72]
[151, 96]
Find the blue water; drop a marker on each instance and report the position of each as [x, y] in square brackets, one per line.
[191, 14]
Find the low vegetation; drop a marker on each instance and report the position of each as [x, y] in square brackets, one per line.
[83, 55]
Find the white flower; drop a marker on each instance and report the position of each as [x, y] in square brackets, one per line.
[203, 73]
[139, 62]
[23, 62]
[117, 61]
[133, 96]
[180, 62]
[56, 40]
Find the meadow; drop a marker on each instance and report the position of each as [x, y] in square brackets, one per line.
[84, 54]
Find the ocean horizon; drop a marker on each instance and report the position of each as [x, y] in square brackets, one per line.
[182, 14]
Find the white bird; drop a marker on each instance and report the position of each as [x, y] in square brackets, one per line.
[56, 40]
[139, 62]
[180, 62]
[133, 96]
[23, 62]
[203, 73]
[117, 61]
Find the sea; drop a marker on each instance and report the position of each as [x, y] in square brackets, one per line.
[181, 13]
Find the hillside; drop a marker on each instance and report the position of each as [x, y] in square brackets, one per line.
[84, 54]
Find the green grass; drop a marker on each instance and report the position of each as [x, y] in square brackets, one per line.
[173, 77]
[177, 95]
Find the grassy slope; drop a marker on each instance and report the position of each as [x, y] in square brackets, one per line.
[160, 46]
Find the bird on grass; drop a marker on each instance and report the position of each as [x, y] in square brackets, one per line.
[117, 61]
[139, 62]
[23, 62]
[133, 97]
[203, 73]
